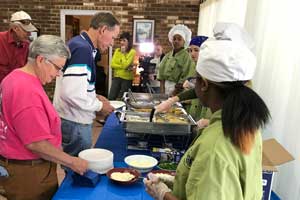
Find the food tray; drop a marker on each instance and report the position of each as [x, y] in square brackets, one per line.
[144, 125]
[143, 100]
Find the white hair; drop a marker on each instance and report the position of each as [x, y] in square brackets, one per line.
[48, 46]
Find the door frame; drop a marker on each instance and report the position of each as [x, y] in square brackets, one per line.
[64, 12]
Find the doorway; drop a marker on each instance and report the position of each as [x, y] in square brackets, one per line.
[72, 22]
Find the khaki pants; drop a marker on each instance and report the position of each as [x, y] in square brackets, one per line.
[35, 181]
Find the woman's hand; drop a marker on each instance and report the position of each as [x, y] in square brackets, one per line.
[166, 105]
[123, 49]
[202, 123]
[188, 85]
[155, 188]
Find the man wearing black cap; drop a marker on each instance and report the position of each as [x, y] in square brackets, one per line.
[14, 43]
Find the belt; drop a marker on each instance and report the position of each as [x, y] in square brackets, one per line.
[22, 162]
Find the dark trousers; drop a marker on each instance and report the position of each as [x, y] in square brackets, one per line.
[118, 87]
[30, 181]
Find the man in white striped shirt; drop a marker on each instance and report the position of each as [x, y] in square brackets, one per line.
[75, 98]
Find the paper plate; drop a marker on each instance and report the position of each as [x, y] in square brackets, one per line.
[117, 104]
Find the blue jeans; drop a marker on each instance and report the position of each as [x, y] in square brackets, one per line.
[75, 136]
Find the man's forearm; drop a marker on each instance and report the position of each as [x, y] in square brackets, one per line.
[49, 152]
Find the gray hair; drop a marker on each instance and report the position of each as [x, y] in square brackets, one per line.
[48, 46]
[101, 19]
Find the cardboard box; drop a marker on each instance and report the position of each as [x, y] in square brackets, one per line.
[273, 155]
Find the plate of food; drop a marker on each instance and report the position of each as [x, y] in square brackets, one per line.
[123, 176]
[142, 163]
[117, 104]
[168, 166]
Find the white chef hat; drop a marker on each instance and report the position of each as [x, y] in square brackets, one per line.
[233, 32]
[226, 58]
[183, 31]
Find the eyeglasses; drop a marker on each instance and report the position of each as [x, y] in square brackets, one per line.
[192, 79]
[25, 22]
[55, 65]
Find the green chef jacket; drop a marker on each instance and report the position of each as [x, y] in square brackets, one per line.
[214, 169]
[195, 109]
[176, 68]
[120, 63]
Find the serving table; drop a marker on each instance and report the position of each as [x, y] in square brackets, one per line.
[112, 138]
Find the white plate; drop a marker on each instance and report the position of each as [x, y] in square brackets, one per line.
[117, 104]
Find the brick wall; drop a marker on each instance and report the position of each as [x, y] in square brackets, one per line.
[166, 13]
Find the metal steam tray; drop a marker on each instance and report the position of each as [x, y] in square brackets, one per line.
[139, 122]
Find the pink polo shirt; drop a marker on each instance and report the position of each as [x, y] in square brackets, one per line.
[29, 115]
[12, 56]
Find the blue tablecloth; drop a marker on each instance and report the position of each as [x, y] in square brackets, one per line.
[112, 138]
[105, 190]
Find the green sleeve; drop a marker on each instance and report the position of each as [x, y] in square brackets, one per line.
[212, 178]
[161, 69]
[187, 95]
[122, 61]
[188, 69]
[192, 72]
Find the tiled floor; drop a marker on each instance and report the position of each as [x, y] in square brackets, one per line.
[97, 127]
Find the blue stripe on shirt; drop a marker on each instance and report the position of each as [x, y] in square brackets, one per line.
[81, 65]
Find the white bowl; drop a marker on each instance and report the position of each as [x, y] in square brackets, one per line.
[141, 163]
[99, 160]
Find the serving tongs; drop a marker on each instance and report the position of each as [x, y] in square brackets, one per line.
[131, 95]
[160, 115]
[152, 114]
[151, 92]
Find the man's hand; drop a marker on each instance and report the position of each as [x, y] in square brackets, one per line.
[106, 108]
[79, 165]
[102, 98]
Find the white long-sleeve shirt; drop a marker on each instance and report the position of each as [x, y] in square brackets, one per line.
[75, 97]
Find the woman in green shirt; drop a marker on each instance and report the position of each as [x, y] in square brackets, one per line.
[192, 105]
[177, 64]
[225, 160]
[122, 65]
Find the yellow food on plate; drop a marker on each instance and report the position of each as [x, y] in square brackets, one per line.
[171, 118]
[141, 163]
[143, 110]
[176, 111]
[121, 176]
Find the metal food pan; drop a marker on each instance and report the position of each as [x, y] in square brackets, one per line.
[143, 100]
[158, 128]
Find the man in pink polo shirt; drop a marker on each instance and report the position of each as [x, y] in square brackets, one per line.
[14, 43]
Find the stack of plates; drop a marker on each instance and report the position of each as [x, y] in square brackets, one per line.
[99, 160]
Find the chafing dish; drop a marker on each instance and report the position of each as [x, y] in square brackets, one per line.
[143, 100]
[162, 124]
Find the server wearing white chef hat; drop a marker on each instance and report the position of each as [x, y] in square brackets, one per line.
[224, 161]
[177, 65]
